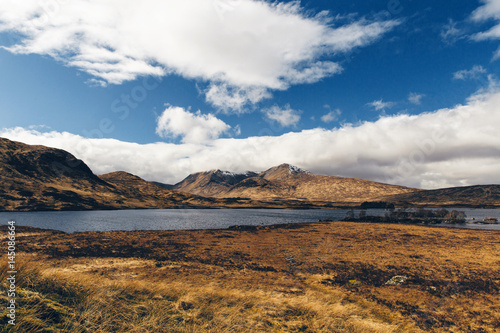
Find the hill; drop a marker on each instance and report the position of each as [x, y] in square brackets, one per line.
[40, 178]
[466, 196]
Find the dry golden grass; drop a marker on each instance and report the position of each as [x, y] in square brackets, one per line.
[322, 277]
[67, 300]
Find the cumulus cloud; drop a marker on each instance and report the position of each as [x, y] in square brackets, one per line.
[242, 49]
[381, 105]
[231, 98]
[447, 147]
[472, 73]
[192, 127]
[284, 116]
[489, 10]
[415, 98]
[331, 116]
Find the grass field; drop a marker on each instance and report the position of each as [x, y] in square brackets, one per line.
[318, 277]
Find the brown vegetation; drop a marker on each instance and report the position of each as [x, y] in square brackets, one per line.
[319, 277]
[465, 196]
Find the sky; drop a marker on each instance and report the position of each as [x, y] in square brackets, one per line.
[398, 91]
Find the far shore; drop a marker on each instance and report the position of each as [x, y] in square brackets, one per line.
[270, 205]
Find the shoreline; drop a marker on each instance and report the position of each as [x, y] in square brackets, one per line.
[319, 206]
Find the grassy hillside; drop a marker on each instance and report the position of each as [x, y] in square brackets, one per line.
[471, 196]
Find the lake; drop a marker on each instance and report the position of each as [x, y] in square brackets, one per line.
[185, 219]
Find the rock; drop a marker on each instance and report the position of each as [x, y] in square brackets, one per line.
[185, 306]
[397, 280]
[432, 290]
[354, 282]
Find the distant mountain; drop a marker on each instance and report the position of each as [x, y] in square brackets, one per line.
[287, 182]
[471, 196]
[167, 186]
[140, 193]
[211, 183]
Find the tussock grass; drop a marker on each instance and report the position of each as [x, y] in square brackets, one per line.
[51, 300]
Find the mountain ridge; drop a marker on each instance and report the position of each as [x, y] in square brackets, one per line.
[287, 182]
[34, 177]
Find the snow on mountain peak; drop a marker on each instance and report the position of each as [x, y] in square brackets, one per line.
[295, 169]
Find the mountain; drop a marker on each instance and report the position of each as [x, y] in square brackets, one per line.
[211, 183]
[137, 192]
[43, 178]
[466, 196]
[38, 178]
[287, 182]
[34, 178]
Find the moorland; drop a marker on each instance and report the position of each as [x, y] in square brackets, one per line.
[315, 277]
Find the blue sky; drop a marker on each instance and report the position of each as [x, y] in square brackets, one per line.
[215, 84]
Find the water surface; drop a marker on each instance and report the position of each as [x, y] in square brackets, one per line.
[185, 219]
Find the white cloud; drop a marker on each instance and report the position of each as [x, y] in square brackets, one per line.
[450, 32]
[331, 116]
[381, 105]
[231, 98]
[241, 48]
[447, 147]
[472, 73]
[490, 10]
[237, 130]
[284, 116]
[192, 127]
[415, 98]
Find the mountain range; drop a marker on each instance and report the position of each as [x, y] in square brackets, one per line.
[42, 178]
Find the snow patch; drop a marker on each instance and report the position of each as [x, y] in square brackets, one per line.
[294, 169]
[227, 173]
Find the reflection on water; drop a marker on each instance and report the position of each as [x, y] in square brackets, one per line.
[182, 219]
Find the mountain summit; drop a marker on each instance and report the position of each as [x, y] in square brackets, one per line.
[211, 183]
[282, 171]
